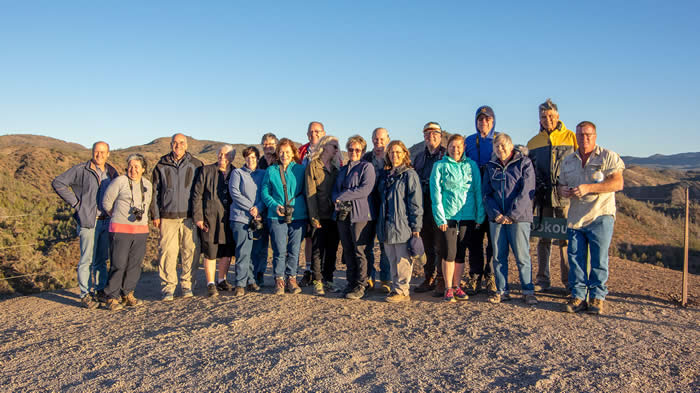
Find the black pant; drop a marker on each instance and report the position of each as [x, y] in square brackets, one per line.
[433, 240]
[127, 252]
[477, 265]
[324, 247]
[355, 239]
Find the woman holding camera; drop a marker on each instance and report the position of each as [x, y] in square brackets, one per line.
[458, 210]
[126, 200]
[283, 195]
[246, 218]
[400, 217]
[211, 203]
[353, 212]
[321, 173]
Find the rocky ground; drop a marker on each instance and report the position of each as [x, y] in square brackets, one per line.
[297, 343]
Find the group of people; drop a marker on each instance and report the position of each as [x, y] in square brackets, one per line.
[441, 203]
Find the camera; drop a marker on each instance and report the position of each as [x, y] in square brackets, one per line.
[344, 210]
[288, 210]
[255, 224]
[138, 213]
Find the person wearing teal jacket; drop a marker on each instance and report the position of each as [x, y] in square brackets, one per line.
[455, 187]
[286, 214]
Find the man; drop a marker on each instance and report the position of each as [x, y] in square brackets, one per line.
[269, 145]
[82, 187]
[547, 150]
[479, 147]
[380, 139]
[590, 178]
[432, 236]
[171, 211]
[314, 132]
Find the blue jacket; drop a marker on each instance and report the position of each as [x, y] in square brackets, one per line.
[455, 189]
[478, 148]
[273, 192]
[355, 183]
[509, 189]
[401, 207]
[81, 188]
[245, 188]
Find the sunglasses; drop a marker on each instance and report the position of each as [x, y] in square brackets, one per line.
[354, 150]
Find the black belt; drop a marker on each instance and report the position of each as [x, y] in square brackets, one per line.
[100, 218]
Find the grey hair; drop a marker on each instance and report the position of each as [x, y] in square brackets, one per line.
[502, 137]
[321, 147]
[138, 157]
[548, 105]
[374, 133]
[267, 136]
[231, 151]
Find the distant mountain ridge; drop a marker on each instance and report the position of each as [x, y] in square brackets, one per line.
[682, 161]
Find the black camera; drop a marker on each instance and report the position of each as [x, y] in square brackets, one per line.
[255, 224]
[344, 210]
[288, 210]
[138, 213]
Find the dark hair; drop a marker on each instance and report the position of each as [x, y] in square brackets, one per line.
[586, 123]
[287, 142]
[267, 136]
[251, 149]
[138, 157]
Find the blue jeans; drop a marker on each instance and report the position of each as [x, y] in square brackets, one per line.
[595, 237]
[94, 249]
[260, 246]
[243, 240]
[384, 267]
[517, 236]
[286, 242]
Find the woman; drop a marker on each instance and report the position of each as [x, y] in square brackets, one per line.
[353, 212]
[455, 188]
[509, 187]
[400, 217]
[211, 203]
[321, 173]
[126, 200]
[246, 219]
[283, 195]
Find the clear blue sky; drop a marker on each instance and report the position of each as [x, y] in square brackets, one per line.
[131, 71]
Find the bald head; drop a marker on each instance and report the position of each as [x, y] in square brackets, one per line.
[100, 154]
[178, 144]
[380, 139]
[315, 132]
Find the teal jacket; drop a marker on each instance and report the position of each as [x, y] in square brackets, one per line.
[273, 193]
[455, 188]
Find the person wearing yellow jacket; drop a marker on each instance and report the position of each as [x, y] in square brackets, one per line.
[547, 150]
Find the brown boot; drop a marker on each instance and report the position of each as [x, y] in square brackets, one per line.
[292, 286]
[113, 305]
[427, 285]
[130, 300]
[439, 287]
[491, 284]
[279, 286]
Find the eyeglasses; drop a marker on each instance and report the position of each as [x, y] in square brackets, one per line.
[334, 146]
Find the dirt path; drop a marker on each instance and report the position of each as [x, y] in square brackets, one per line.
[299, 343]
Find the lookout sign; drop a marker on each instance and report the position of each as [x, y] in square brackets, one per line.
[549, 227]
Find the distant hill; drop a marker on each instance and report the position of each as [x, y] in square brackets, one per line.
[682, 161]
[38, 141]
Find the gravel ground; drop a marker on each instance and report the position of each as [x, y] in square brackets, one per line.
[299, 343]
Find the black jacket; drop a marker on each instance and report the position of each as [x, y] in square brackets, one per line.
[211, 203]
[173, 184]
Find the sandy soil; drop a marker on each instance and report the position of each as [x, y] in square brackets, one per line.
[298, 343]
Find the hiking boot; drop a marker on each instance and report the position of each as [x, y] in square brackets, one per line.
[87, 302]
[439, 287]
[224, 286]
[427, 285]
[113, 305]
[130, 300]
[459, 294]
[596, 306]
[238, 291]
[574, 305]
[449, 296]
[473, 285]
[292, 286]
[498, 298]
[385, 286]
[187, 293]
[100, 296]
[260, 279]
[318, 288]
[542, 287]
[397, 298]
[306, 279]
[356, 293]
[212, 290]
[331, 287]
[168, 297]
[491, 284]
[279, 286]
[530, 300]
[252, 287]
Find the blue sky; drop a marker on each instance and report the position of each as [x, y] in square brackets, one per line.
[132, 71]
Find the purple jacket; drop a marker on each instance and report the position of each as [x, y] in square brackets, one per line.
[355, 183]
[509, 189]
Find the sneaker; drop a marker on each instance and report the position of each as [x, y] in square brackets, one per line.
[473, 285]
[427, 285]
[279, 286]
[397, 298]
[168, 297]
[498, 298]
[130, 300]
[113, 305]
[187, 293]
[318, 288]
[213, 290]
[292, 286]
[224, 286]
[260, 279]
[491, 284]
[385, 286]
[331, 287]
[252, 287]
[439, 287]
[575, 305]
[449, 296]
[370, 284]
[530, 300]
[356, 293]
[596, 306]
[87, 302]
[238, 291]
[306, 279]
[459, 294]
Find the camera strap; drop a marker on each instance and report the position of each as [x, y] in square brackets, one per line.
[143, 193]
[284, 185]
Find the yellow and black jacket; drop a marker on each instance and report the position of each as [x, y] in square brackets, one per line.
[547, 151]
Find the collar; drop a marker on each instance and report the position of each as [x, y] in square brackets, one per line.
[557, 128]
[596, 152]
